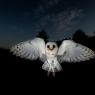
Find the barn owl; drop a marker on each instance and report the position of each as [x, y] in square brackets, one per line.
[51, 54]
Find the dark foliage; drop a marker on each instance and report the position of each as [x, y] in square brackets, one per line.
[80, 37]
[43, 35]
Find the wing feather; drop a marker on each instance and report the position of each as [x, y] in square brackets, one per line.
[31, 49]
[70, 51]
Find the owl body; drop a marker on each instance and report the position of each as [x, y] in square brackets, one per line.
[52, 65]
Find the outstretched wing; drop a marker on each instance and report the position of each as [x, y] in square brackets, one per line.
[31, 49]
[70, 51]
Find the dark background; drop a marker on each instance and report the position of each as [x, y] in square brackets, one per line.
[53, 20]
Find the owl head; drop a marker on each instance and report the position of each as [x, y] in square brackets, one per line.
[51, 49]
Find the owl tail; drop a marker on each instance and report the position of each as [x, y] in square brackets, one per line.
[52, 67]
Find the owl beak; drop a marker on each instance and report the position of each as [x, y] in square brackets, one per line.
[51, 49]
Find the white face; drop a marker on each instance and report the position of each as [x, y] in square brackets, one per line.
[51, 49]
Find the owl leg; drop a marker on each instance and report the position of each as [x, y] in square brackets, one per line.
[56, 67]
[48, 67]
[48, 73]
[51, 70]
[51, 67]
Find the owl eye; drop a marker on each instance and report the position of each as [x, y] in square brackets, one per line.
[48, 46]
[53, 46]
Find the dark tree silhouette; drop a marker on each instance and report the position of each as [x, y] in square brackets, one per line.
[94, 31]
[59, 42]
[91, 41]
[43, 35]
[80, 37]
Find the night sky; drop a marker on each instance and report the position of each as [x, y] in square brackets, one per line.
[21, 20]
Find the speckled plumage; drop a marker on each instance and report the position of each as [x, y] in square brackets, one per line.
[50, 54]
